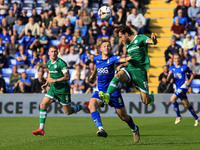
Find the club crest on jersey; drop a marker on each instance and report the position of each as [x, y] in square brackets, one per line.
[135, 41]
[108, 61]
[55, 66]
[181, 69]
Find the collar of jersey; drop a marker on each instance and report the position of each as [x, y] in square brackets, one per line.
[55, 61]
[134, 38]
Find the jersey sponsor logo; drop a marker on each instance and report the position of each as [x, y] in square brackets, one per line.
[133, 48]
[181, 69]
[55, 66]
[178, 75]
[51, 71]
[48, 66]
[103, 71]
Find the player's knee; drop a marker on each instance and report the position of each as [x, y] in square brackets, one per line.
[172, 100]
[145, 101]
[43, 106]
[91, 107]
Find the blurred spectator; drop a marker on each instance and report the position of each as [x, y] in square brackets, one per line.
[183, 7]
[24, 84]
[186, 57]
[76, 89]
[55, 31]
[195, 67]
[62, 8]
[66, 25]
[2, 47]
[72, 17]
[60, 19]
[24, 16]
[62, 53]
[111, 5]
[195, 47]
[197, 35]
[165, 87]
[193, 12]
[44, 61]
[115, 47]
[5, 36]
[164, 73]
[74, 7]
[2, 85]
[74, 73]
[37, 18]
[49, 8]
[117, 39]
[178, 30]
[182, 20]
[78, 35]
[33, 26]
[186, 3]
[87, 8]
[109, 27]
[137, 20]
[78, 49]
[46, 21]
[11, 18]
[2, 60]
[119, 19]
[197, 54]
[16, 9]
[134, 30]
[14, 76]
[67, 34]
[3, 8]
[98, 46]
[37, 83]
[103, 34]
[72, 58]
[44, 72]
[197, 23]
[125, 8]
[90, 39]
[43, 38]
[90, 84]
[173, 48]
[4, 24]
[37, 47]
[21, 57]
[11, 48]
[63, 43]
[79, 81]
[170, 62]
[34, 60]
[85, 17]
[85, 57]
[188, 42]
[81, 27]
[19, 28]
[27, 40]
[95, 29]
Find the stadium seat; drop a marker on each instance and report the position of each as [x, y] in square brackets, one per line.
[29, 1]
[31, 72]
[130, 5]
[5, 72]
[39, 10]
[18, 1]
[68, 4]
[41, 1]
[29, 51]
[117, 5]
[195, 90]
[70, 71]
[21, 70]
[39, 5]
[180, 43]
[27, 6]
[94, 5]
[29, 12]
[190, 53]
[11, 62]
[7, 80]
[54, 42]
[192, 33]
[195, 83]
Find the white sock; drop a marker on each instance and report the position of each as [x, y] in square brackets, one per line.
[101, 128]
[41, 126]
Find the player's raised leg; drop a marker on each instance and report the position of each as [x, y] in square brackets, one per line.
[43, 115]
[121, 76]
[176, 108]
[94, 104]
[191, 109]
[125, 117]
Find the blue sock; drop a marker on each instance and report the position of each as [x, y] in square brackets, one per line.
[96, 118]
[131, 124]
[191, 109]
[176, 109]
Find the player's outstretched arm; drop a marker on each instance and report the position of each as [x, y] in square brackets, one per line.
[153, 39]
[190, 80]
[125, 60]
[122, 65]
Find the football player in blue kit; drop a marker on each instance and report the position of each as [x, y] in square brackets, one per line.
[104, 69]
[179, 73]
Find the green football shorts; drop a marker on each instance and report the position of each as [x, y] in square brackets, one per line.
[139, 77]
[62, 95]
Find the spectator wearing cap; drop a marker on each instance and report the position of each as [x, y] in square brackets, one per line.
[87, 8]
[72, 58]
[11, 18]
[66, 25]
[55, 31]
[137, 20]
[72, 17]
[85, 17]
[197, 54]
[37, 18]
[46, 21]
[11, 48]
[178, 30]
[16, 9]
[19, 28]
[60, 19]
[183, 7]
[62, 8]
[63, 43]
[74, 7]
[103, 34]
[182, 20]
[188, 42]
[27, 40]
[33, 26]
[5, 36]
[3, 8]
[21, 57]
[193, 12]
[67, 35]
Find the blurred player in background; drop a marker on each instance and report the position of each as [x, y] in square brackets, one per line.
[137, 47]
[105, 71]
[179, 73]
[59, 89]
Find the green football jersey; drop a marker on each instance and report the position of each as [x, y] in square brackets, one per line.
[57, 70]
[138, 50]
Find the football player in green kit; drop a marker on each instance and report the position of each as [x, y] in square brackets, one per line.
[135, 70]
[59, 89]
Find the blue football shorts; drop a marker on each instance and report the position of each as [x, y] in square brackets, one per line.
[181, 93]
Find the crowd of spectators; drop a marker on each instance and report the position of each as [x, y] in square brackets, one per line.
[185, 40]
[29, 27]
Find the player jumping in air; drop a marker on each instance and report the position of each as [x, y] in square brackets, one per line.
[179, 73]
[136, 46]
[59, 89]
[105, 71]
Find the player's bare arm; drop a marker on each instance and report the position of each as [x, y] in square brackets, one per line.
[190, 80]
[153, 39]
[122, 65]
[66, 77]
[125, 60]
[94, 74]
[169, 75]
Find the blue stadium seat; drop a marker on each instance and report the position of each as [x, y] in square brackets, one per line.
[54, 42]
[21, 70]
[29, 1]
[30, 52]
[195, 83]
[39, 5]
[7, 80]
[94, 5]
[70, 71]
[190, 53]
[18, 1]
[39, 10]
[11, 62]
[40, 1]
[9, 89]
[196, 90]
[117, 5]
[31, 72]
[5, 72]
[180, 43]
[130, 5]
[192, 33]
[27, 6]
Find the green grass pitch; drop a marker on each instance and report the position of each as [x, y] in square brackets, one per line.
[79, 133]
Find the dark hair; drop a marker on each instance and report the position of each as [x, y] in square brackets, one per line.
[124, 29]
[55, 47]
[105, 41]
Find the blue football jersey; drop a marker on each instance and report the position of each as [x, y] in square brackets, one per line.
[105, 72]
[180, 75]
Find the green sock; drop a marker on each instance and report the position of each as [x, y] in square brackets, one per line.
[150, 98]
[43, 116]
[76, 108]
[113, 85]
